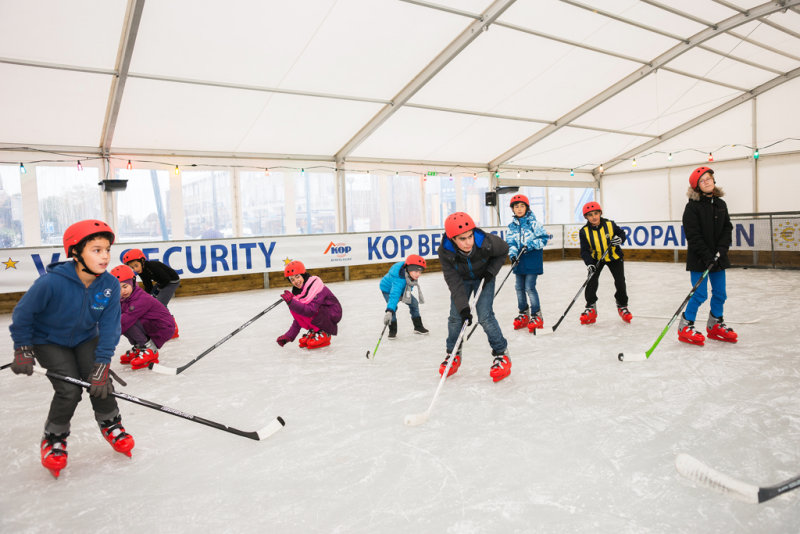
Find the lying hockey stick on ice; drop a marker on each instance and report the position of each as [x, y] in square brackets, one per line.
[158, 368]
[640, 316]
[415, 419]
[555, 326]
[379, 343]
[264, 433]
[694, 469]
[514, 264]
[639, 357]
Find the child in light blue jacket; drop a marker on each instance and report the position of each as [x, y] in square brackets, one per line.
[396, 286]
[526, 238]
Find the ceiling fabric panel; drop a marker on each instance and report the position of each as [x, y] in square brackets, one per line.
[658, 103]
[420, 134]
[706, 10]
[486, 76]
[364, 48]
[716, 67]
[734, 127]
[51, 107]
[778, 119]
[575, 148]
[726, 44]
[79, 32]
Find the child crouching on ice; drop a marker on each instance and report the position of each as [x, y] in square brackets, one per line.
[526, 237]
[397, 286]
[145, 321]
[313, 306]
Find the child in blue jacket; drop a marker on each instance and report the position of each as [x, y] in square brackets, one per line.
[526, 238]
[69, 320]
[397, 286]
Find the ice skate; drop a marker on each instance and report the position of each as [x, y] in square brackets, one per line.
[145, 357]
[130, 354]
[418, 328]
[688, 334]
[319, 340]
[501, 366]
[453, 368]
[537, 321]
[115, 434]
[303, 341]
[54, 452]
[589, 315]
[624, 313]
[718, 330]
[521, 320]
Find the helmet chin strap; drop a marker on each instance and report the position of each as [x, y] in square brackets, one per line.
[85, 267]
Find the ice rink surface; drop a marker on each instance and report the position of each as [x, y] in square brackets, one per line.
[572, 441]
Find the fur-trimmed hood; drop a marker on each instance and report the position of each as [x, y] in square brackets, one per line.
[695, 195]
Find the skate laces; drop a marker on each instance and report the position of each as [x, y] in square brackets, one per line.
[55, 445]
[114, 429]
[499, 361]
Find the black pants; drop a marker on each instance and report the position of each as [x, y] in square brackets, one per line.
[74, 362]
[617, 268]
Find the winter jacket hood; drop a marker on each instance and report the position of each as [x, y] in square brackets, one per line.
[59, 309]
[694, 194]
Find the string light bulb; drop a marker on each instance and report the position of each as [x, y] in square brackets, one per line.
[80, 167]
[633, 163]
[710, 157]
[755, 154]
[601, 168]
[572, 172]
[497, 174]
[22, 169]
[177, 170]
[517, 174]
[130, 165]
[266, 171]
[669, 158]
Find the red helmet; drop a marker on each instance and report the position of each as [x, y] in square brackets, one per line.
[458, 223]
[417, 260]
[591, 206]
[294, 267]
[133, 254]
[519, 198]
[84, 229]
[123, 273]
[694, 178]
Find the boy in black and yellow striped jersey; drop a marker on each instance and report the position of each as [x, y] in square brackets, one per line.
[600, 240]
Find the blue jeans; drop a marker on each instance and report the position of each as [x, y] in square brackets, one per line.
[413, 306]
[526, 287]
[718, 294]
[486, 318]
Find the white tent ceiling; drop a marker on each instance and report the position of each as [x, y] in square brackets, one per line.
[533, 84]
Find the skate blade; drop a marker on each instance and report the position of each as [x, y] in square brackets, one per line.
[54, 472]
[689, 342]
[499, 378]
[722, 339]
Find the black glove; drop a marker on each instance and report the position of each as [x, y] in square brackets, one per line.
[616, 241]
[23, 360]
[466, 315]
[513, 259]
[387, 317]
[487, 278]
[591, 269]
[101, 384]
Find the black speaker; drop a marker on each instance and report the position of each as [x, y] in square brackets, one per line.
[491, 198]
[113, 185]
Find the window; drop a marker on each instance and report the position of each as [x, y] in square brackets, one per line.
[440, 200]
[536, 197]
[364, 201]
[474, 191]
[207, 203]
[405, 194]
[566, 204]
[315, 201]
[10, 207]
[143, 208]
[263, 203]
[66, 196]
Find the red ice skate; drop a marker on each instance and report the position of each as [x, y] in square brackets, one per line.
[318, 340]
[145, 358]
[589, 315]
[115, 434]
[501, 367]
[717, 329]
[521, 320]
[130, 354]
[54, 452]
[453, 368]
[303, 341]
[624, 313]
[536, 322]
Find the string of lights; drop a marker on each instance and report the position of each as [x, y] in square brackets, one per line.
[131, 163]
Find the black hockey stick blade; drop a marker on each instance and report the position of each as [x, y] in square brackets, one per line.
[693, 469]
[6, 365]
[164, 370]
[275, 425]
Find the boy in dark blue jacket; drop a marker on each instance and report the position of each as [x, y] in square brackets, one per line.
[69, 320]
[397, 286]
[467, 256]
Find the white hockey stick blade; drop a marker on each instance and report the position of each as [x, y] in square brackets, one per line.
[693, 469]
[543, 332]
[163, 370]
[275, 425]
[632, 357]
[416, 419]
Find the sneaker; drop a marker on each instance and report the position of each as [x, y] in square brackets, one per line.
[589, 315]
[303, 342]
[537, 321]
[131, 353]
[115, 434]
[453, 368]
[501, 366]
[393, 329]
[318, 340]
[418, 328]
[624, 313]
[54, 452]
[718, 330]
[688, 334]
[521, 320]
[144, 358]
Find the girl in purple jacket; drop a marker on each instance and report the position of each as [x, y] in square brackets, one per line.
[313, 306]
[145, 321]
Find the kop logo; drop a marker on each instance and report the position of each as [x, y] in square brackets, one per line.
[338, 249]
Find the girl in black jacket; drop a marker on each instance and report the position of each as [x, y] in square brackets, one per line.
[708, 230]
